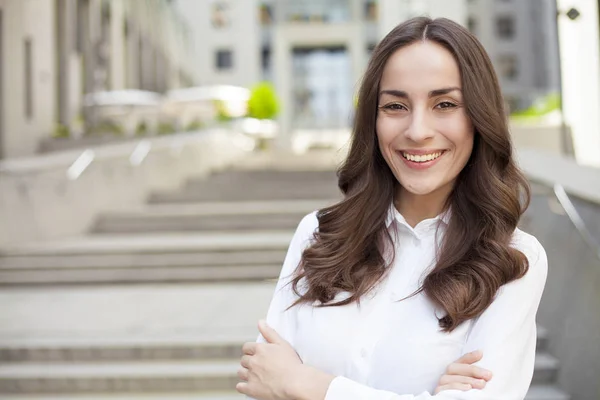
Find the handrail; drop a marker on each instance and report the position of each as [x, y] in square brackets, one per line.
[80, 164]
[569, 207]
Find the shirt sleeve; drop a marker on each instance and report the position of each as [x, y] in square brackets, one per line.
[278, 318]
[505, 332]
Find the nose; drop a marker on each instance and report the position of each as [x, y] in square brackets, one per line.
[419, 128]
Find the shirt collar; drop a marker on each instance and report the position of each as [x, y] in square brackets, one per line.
[394, 215]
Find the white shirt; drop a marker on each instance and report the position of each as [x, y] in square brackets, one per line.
[386, 349]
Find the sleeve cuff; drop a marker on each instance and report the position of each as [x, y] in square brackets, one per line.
[342, 388]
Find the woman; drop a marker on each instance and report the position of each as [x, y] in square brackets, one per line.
[422, 261]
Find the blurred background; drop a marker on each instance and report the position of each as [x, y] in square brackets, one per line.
[156, 157]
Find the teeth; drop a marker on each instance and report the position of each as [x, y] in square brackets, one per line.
[421, 158]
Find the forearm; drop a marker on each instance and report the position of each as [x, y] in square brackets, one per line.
[309, 384]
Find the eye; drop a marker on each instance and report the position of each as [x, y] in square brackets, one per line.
[445, 105]
[393, 107]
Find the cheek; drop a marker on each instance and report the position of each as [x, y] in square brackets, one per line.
[386, 132]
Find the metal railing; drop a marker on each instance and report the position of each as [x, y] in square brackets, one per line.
[573, 214]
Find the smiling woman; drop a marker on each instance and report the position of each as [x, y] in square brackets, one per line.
[418, 284]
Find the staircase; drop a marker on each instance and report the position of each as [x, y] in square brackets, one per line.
[156, 303]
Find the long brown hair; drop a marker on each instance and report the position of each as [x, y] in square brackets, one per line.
[489, 196]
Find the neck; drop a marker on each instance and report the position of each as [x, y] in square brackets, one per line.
[416, 208]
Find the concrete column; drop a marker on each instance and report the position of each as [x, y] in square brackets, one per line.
[580, 65]
[65, 17]
[2, 57]
[282, 64]
[117, 46]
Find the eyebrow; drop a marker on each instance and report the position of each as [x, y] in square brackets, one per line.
[433, 93]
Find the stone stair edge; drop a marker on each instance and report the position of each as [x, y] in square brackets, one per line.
[217, 395]
[100, 244]
[164, 369]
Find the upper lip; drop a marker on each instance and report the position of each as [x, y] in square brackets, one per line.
[420, 152]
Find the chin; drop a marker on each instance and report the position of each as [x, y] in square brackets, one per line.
[419, 190]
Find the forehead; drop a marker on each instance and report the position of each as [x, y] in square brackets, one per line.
[421, 66]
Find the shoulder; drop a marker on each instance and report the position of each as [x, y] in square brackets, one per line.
[535, 253]
[305, 231]
[309, 223]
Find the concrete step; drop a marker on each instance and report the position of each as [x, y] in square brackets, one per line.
[536, 392]
[132, 349]
[207, 274]
[206, 266]
[118, 377]
[144, 222]
[141, 260]
[252, 192]
[542, 339]
[546, 392]
[149, 376]
[266, 185]
[546, 369]
[124, 349]
[266, 175]
[220, 395]
[157, 243]
[244, 216]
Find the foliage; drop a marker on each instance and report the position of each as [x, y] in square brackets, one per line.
[61, 132]
[142, 129]
[107, 126]
[222, 113]
[165, 128]
[263, 102]
[540, 107]
[195, 125]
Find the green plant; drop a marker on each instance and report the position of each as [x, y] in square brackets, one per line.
[165, 128]
[263, 102]
[142, 129]
[61, 132]
[540, 107]
[106, 127]
[195, 125]
[222, 113]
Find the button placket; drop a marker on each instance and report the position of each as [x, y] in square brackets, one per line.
[369, 335]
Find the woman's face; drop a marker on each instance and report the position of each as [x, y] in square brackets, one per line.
[423, 130]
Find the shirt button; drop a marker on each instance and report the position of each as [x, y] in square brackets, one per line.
[363, 352]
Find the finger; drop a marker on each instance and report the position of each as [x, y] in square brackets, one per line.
[249, 348]
[245, 362]
[243, 388]
[471, 357]
[270, 335]
[242, 373]
[453, 386]
[474, 382]
[468, 370]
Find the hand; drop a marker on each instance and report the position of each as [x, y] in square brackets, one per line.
[461, 375]
[268, 369]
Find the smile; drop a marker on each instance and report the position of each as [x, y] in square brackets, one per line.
[421, 158]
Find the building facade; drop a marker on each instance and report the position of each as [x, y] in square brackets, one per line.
[314, 51]
[521, 39]
[52, 52]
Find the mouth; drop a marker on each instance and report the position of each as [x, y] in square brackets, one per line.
[421, 158]
[421, 161]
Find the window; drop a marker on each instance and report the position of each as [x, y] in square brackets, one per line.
[28, 79]
[224, 59]
[371, 10]
[505, 27]
[507, 67]
[266, 58]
